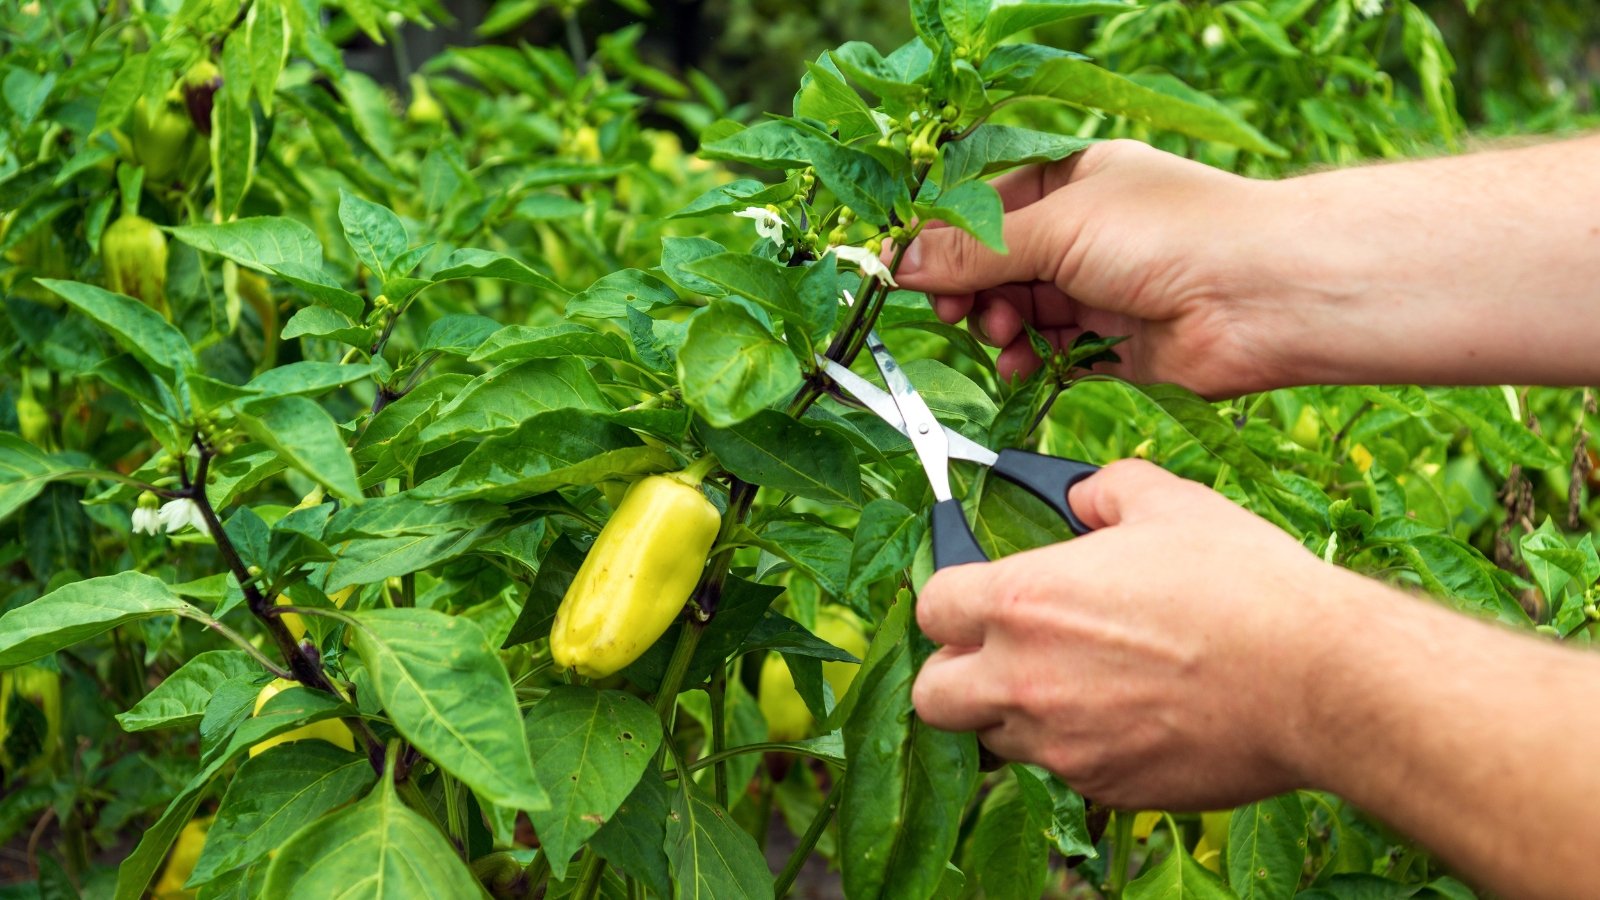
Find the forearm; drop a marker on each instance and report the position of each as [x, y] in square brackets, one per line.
[1475, 741]
[1465, 270]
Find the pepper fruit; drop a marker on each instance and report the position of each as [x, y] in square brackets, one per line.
[787, 717]
[33, 421]
[161, 141]
[297, 625]
[331, 730]
[638, 575]
[424, 109]
[30, 733]
[200, 86]
[134, 252]
[181, 862]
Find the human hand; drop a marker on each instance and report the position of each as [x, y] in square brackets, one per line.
[1158, 662]
[1121, 239]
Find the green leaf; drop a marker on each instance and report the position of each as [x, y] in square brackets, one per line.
[769, 144]
[902, 804]
[448, 694]
[258, 243]
[504, 397]
[1262, 28]
[1006, 19]
[267, 32]
[1484, 411]
[1085, 84]
[488, 264]
[308, 378]
[25, 470]
[767, 283]
[369, 561]
[307, 438]
[1206, 426]
[613, 295]
[375, 233]
[78, 611]
[1009, 853]
[329, 323]
[1267, 848]
[996, 148]
[1177, 877]
[515, 342]
[1460, 574]
[824, 97]
[775, 450]
[731, 366]
[550, 450]
[233, 152]
[734, 196]
[404, 513]
[886, 541]
[274, 795]
[589, 748]
[709, 855]
[285, 712]
[321, 287]
[856, 177]
[379, 849]
[677, 253]
[891, 78]
[1065, 810]
[634, 839]
[136, 328]
[180, 699]
[973, 207]
[556, 571]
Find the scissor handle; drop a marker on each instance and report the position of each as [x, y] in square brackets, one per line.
[1048, 478]
[953, 541]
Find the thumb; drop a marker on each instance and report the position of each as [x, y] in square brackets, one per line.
[1123, 492]
[951, 261]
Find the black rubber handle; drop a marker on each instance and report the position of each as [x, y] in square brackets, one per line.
[1046, 477]
[953, 541]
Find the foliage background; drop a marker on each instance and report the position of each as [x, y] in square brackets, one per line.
[1481, 495]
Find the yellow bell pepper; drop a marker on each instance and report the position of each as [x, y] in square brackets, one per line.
[638, 575]
[180, 864]
[331, 730]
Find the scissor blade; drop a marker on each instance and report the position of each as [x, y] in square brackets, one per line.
[921, 426]
[881, 405]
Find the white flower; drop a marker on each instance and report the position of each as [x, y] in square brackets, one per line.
[1366, 9]
[146, 520]
[176, 514]
[865, 260]
[1212, 36]
[768, 223]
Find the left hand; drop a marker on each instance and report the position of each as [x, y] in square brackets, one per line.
[1158, 662]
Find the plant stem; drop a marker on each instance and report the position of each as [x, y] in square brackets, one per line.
[808, 841]
[589, 876]
[719, 734]
[302, 667]
[672, 681]
[239, 639]
[1121, 852]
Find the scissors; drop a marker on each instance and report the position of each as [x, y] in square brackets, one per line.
[1046, 477]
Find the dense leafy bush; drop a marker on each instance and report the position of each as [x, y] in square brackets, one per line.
[318, 379]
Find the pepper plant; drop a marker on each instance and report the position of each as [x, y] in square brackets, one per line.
[295, 540]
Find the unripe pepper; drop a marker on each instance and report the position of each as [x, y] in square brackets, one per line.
[638, 575]
[161, 141]
[331, 730]
[787, 717]
[33, 421]
[200, 86]
[134, 252]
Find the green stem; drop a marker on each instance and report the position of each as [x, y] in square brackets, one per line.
[768, 747]
[234, 636]
[719, 734]
[808, 841]
[589, 876]
[1121, 852]
[667, 697]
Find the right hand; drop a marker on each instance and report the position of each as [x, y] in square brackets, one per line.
[1121, 239]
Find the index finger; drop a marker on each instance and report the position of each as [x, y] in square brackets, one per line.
[949, 605]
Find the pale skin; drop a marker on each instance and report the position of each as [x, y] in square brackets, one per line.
[1187, 655]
